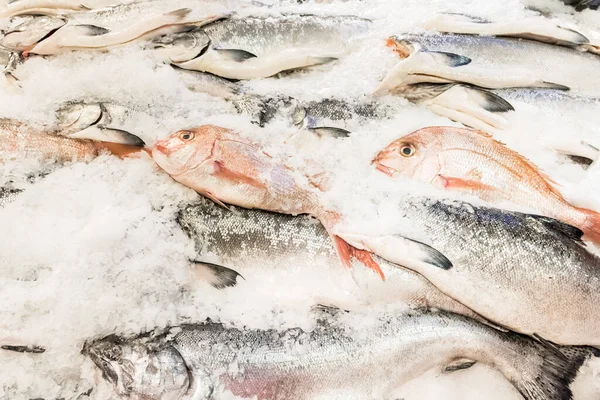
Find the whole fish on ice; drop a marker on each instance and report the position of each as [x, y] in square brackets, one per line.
[471, 161]
[259, 47]
[529, 273]
[491, 62]
[251, 242]
[223, 166]
[332, 361]
[102, 28]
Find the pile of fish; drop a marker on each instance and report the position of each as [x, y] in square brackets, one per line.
[484, 281]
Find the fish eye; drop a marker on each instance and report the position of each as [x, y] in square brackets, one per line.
[407, 150]
[186, 135]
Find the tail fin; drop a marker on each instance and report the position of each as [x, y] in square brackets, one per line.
[591, 226]
[346, 252]
[556, 372]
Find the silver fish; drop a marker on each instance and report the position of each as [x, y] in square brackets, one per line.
[490, 62]
[41, 7]
[259, 47]
[529, 273]
[534, 28]
[250, 240]
[331, 361]
[102, 28]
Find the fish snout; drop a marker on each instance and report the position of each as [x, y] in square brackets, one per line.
[380, 165]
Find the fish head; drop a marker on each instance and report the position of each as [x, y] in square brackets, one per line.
[140, 368]
[183, 45]
[186, 149]
[24, 32]
[411, 156]
[76, 116]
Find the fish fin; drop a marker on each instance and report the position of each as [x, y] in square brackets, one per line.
[458, 365]
[452, 183]
[401, 250]
[222, 171]
[569, 231]
[214, 198]
[591, 226]
[550, 346]
[487, 100]
[552, 377]
[181, 13]
[449, 59]
[23, 349]
[327, 310]
[469, 17]
[346, 252]
[120, 150]
[218, 276]
[330, 131]
[90, 30]
[551, 85]
[109, 135]
[311, 61]
[236, 54]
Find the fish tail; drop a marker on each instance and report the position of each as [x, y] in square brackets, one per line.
[346, 252]
[591, 225]
[344, 249]
[558, 368]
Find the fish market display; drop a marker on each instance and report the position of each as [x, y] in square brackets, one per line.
[489, 62]
[450, 148]
[219, 164]
[247, 48]
[471, 161]
[204, 360]
[514, 269]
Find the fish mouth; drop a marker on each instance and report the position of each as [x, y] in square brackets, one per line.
[389, 171]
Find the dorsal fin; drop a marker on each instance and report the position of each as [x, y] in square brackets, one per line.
[564, 229]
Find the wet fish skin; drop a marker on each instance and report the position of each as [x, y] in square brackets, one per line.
[8, 195]
[259, 47]
[302, 365]
[473, 162]
[529, 273]
[247, 240]
[489, 62]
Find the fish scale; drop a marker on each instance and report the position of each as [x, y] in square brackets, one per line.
[529, 273]
[333, 360]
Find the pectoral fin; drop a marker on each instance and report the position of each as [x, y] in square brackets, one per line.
[458, 365]
[235, 54]
[221, 171]
[218, 276]
[451, 183]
